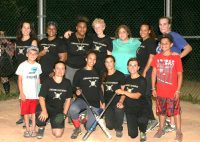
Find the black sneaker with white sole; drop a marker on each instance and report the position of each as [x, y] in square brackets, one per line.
[76, 133]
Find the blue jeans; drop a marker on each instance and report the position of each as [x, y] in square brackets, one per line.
[78, 106]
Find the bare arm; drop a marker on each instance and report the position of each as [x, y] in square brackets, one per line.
[148, 65]
[62, 56]
[153, 81]
[44, 115]
[66, 105]
[186, 50]
[109, 53]
[180, 80]
[34, 43]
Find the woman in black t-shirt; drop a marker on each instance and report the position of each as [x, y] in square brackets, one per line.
[26, 37]
[54, 98]
[52, 49]
[135, 101]
[112, 80]
[87, 83]
[145, 54]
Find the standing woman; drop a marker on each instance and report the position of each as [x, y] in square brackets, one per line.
[26, 37]
[135, 101]
[124, 48]
[54, 99]
[87, 83]
[102, 44]
[78, 44]
[145, 55]
[52, 49]
[112, 80]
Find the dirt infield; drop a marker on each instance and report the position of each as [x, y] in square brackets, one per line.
[10, 132]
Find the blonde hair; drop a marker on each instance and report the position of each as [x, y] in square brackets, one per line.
[98, 21]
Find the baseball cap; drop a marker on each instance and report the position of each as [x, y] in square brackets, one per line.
[34, 48]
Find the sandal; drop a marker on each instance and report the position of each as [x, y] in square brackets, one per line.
[27, 134]
[33, 134]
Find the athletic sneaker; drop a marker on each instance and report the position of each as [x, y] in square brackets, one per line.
[20, 121]
[169, 128]
[179, 136]
[159, 133]
[143, 137]
[119, 134]
[151, 125]
[40, 133]
[76, 133]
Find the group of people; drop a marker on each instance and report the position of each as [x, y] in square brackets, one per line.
[91, 68]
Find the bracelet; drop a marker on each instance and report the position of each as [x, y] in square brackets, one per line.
[153, 89]
[178, 92]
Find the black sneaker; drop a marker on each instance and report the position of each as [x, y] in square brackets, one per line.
[20, 121]
[76, 133]
[119, 134]
[40, 133]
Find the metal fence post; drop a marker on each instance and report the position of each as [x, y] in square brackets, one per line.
[168, 8]
[41, 18]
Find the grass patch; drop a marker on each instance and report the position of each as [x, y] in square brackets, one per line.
[190, 98]
[4, 96]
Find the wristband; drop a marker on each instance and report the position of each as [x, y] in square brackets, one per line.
[178, 92]
[153, 89]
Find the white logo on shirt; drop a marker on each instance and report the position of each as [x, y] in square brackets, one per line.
[80, 48]
[129, 89]
[97, 47]
[92, 83]
[46, 48]
[21, 51]
[57, 95]
[109, 88]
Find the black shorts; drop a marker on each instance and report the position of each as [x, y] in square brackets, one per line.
[53, 123]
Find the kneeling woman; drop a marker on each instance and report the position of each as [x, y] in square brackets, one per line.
[112, 80]
[135, 101]
[54, 98]
[87, 83]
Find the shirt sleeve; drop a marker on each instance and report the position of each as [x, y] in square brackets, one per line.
[152, 47]
[178, 41]
[19, 70]
[61, 46]
[76, 79]
[44, 89]
[153, 64]
[39, 69]
[178, 65]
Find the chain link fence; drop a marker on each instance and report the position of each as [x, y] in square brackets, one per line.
[115, 12]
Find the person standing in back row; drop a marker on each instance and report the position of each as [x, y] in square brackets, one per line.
[145, 54]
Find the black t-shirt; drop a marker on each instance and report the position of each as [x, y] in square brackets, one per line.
[89, 82]
[54, 47]
[146, 48]
[77, 49]
[55, 94]
[101, 45]
[111, 84]
[21, 49]
[137, 85]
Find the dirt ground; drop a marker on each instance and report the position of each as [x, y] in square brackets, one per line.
[10, 132]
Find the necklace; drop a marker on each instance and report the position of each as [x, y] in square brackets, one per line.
[80, 45]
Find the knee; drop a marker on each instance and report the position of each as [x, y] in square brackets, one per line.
[74, 109]
[57, 134]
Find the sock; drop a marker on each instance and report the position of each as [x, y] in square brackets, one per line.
[76, 123]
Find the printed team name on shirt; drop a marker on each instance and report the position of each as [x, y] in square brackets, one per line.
[47, 46]
[32, 73]
[98, 46]
[141, 47]
[92, 80]
[130, 87]
[80, 46]
[57, 92]
[21, 49]
[164, 74]
[109, 86]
